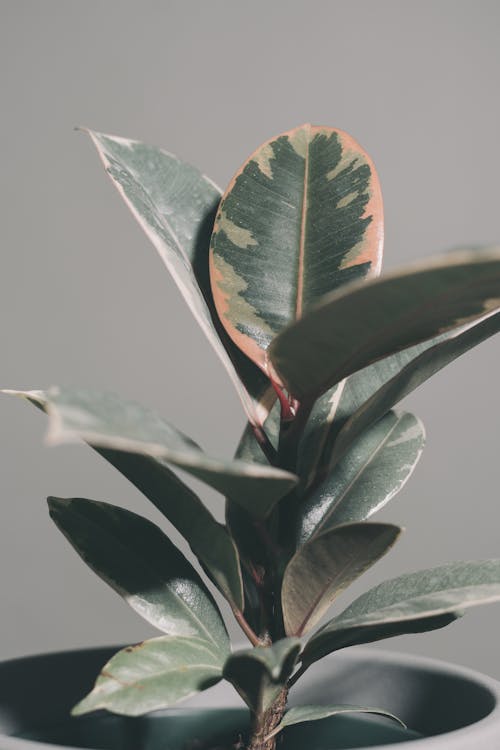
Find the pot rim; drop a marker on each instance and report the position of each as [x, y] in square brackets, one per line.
[489, 725]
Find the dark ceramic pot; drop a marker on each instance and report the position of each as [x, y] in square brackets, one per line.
[447, 707]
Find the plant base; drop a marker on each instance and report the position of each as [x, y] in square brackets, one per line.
[462, 707]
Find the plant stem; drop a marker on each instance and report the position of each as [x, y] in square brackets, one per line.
[290, 434]
[252, 637]
[264, 724]
[265, 444]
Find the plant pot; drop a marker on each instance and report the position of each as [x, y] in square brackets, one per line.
[451, 707]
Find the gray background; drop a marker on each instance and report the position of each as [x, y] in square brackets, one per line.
[84, 299]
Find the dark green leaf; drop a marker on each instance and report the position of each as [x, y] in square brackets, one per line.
[139, 562]
[299, 714]
[153, 675]
[300, 218]
[409, 377]
[175, 205]
[325, 566]
[411, 603]
[209, 540]
[372, 473]
[103, 420]
[369, 320]
[260, 674]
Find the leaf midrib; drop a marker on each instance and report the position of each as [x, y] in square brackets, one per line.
[299, 302]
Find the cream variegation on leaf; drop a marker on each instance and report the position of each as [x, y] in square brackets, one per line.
[301, 217]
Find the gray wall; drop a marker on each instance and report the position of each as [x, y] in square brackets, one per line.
[84, 299]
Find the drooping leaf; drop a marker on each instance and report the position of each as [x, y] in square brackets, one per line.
[209, 540]
[370, 474]
[260, 674]
[411, 603]
[369, 320]
[321, 569]
[104, 420]
[409, 377]
[153, 675]
[300, 218]
[142, 565]
[300, 714]
[175, 205]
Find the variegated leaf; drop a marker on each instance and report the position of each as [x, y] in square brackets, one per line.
[104, 420]
[153, 675]
[353, 327]
[175, 205]
[370, 474]
[300, 218]
[321, 569]
[411, 603]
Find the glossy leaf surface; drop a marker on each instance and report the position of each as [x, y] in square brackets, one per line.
[365, 322]
[209, 540]
[411, 603]
[153, 675]
[414, 373]
[370, 474]
[259, 674]
[139, 562]
[300, 714]
[104, 420]
[175, 205]
[325, 566]
[300, 218]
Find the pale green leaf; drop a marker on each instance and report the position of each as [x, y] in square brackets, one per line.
[411, 603]
[153, 675]
[300, 714]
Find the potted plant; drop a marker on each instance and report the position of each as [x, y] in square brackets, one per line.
[282, 274]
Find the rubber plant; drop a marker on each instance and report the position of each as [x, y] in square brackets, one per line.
[282, 274]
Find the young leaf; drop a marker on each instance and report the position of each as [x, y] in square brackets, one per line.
[325, 566]
[367, 321]
[372, 473]
[260, 674]
[300, 714]
[103, 420]
[175, 205]
[209, 540]
[153, 675]
[409, 377]
[411, 603]
[142, 565]
[300, 218]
